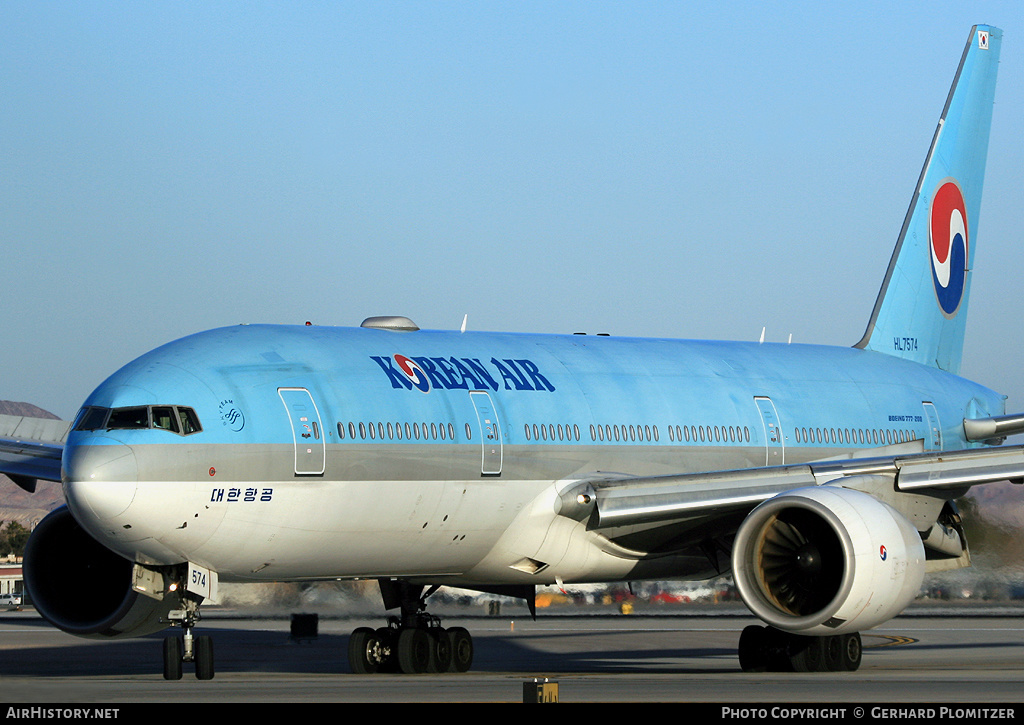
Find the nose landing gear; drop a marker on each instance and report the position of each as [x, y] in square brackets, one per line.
[187, 647]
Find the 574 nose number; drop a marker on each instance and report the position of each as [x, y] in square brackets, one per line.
[202, 581]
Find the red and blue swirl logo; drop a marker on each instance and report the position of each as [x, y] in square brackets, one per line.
[414, 372]
[947, 234]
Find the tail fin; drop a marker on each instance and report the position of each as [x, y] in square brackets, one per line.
[921, 310]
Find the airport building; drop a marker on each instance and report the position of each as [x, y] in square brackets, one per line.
[11, 580]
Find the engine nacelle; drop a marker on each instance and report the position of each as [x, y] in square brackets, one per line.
[83, 588]
[827, 560]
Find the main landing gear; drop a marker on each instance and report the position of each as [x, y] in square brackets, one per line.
[188, 648]
[766, 649]
[424, 648]
[414, 643]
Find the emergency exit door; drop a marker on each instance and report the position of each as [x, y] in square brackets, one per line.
[775, 444]
[490, 433]
[933, 435]
[307, 431]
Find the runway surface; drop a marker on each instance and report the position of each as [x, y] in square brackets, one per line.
[624, 658]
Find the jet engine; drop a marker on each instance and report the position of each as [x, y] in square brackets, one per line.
[827, 560]
[83, 588]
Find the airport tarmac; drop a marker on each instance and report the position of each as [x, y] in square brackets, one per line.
[627, 658]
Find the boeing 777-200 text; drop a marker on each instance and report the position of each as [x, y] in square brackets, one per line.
[824, 477]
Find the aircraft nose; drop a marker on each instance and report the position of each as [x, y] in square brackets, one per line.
[100, 479]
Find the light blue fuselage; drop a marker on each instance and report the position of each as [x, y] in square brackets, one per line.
[445, 438]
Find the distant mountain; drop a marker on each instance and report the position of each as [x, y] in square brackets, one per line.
[15, 503]
[9, 407]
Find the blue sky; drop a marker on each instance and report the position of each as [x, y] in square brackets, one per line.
[652, 169]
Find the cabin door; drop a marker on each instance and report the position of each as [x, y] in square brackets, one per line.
[307, 431]
[489, 430]
[933, 436]
[775, 446]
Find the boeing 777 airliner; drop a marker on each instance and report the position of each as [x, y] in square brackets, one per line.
[822, 477]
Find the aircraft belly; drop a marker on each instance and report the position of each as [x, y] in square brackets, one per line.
[248, 516]
[350, 529]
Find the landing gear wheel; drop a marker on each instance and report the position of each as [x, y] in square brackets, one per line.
[366, 651]
[462, 649]
[388, 642]
[203, 656]
[806, 654]
[414, 647]
[753, 657]
[414, 642]
[766, 649]
[833, 647]
[440, 650]
[851, 652]
[359, 651]
[172, 658]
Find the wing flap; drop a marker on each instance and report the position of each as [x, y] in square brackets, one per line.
[627, 502]
[961, 469]
[618, 502]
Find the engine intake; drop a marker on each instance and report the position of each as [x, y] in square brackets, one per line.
[827, 560]
[83, 588]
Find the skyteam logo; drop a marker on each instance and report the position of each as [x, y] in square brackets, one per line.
[947, 234]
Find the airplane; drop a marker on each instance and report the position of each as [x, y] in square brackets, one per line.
[823, 477]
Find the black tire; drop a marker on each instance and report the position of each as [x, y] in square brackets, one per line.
[172, 658]
[833, 648]
[413, 651]
[807, 654]
[388, 639]
[753, 657]
[462, 649]
[777, 649]
[203, 645]
[852, 652]
[440, 650]
[363, 645]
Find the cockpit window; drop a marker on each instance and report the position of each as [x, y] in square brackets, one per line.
[128, 418]
[164, 417]
[174, 418]
[91, 418]
[189, 421]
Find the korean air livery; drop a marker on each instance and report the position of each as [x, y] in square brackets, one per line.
[822, 477]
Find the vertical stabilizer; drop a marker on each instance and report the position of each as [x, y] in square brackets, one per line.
[921, 309]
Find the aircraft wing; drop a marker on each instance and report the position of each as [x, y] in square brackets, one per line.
[617, 502]
[31, 448]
